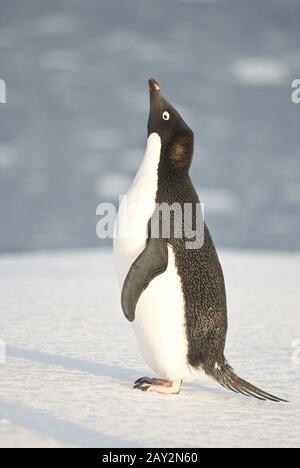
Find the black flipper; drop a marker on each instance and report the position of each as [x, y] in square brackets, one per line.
[152, 262]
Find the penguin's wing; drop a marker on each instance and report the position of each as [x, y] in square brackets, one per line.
[153, 261]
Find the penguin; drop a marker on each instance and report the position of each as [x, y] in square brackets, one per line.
[173, 296]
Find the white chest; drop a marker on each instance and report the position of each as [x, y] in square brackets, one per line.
[135, 211]
[159, 323]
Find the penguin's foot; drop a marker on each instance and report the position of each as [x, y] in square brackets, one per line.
[157, 385]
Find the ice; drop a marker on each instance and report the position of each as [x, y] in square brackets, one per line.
[72, 359]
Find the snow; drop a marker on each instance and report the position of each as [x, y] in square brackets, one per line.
[72, 359]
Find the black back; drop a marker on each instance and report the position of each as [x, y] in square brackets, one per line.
[200, 270]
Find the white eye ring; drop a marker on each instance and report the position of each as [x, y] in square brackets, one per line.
[166, 115]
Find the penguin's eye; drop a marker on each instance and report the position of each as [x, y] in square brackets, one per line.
[166, 115]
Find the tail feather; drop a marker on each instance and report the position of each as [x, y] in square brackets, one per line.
[226, 376]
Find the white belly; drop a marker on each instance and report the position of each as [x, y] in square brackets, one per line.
[159, 323]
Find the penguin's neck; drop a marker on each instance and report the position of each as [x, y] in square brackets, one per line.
[136, 209]
[145, 184]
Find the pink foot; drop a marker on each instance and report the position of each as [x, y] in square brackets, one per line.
[157, 385]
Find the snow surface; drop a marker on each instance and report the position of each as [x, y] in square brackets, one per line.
[72, 359]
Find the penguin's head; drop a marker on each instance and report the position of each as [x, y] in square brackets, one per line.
[177, 139]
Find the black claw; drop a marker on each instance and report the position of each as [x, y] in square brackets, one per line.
[142, 384]
[139, 385]
[138, 380]
[142, 380]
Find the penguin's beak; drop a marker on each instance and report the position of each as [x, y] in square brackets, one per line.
[156, 105]
[153, 86]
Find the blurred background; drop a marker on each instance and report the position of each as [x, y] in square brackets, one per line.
[73, 130]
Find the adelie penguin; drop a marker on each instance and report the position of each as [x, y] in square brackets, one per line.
[173, 296]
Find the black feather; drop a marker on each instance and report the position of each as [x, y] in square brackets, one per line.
[226, 376]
